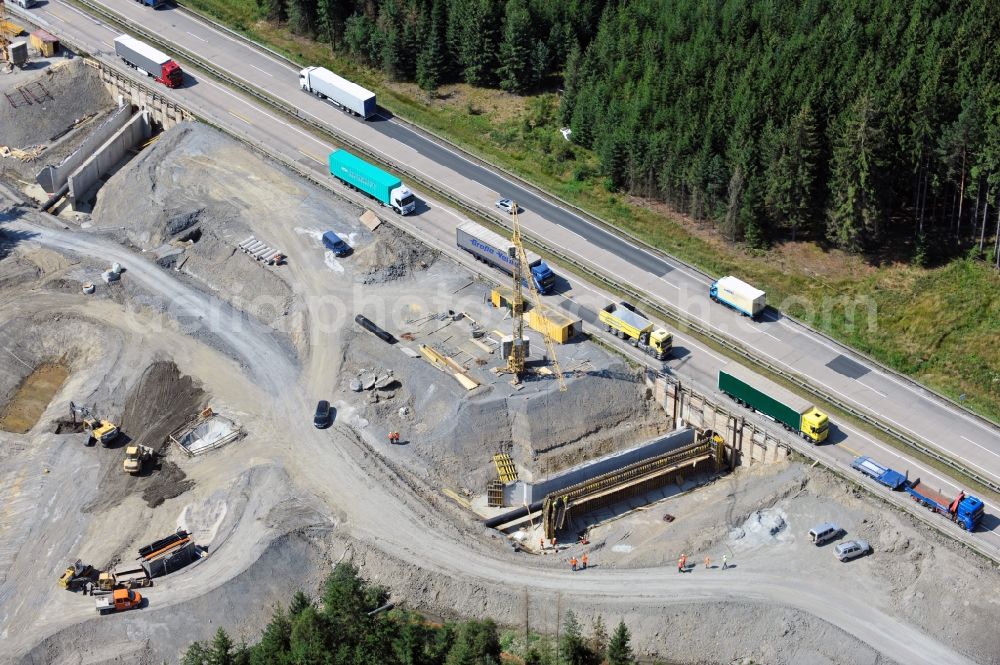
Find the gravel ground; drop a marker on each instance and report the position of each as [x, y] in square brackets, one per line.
[288, 500]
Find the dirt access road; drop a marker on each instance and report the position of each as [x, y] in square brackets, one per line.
[387, 516]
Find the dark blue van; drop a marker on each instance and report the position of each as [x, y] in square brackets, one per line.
[333, 243]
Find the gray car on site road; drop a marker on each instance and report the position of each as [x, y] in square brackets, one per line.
[851, 549]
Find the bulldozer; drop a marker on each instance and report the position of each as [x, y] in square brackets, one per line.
[101, 430]
[76, 576]
[136, 457]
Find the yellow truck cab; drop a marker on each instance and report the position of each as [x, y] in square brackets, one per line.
[623, 321]
[815, 425]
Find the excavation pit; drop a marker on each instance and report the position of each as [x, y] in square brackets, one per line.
[33, 397]
[206, 434]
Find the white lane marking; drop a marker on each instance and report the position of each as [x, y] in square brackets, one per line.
[313, 157]
[257, 109]
[261, 70]
[979, 446]
[871, 389]
[196, 36]
[83, 14]
[240, 117]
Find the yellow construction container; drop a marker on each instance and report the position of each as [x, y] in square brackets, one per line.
[555, 325]
[560, 327]
[44, 42]
[11, 30]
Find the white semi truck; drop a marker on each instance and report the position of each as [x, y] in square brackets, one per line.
[349, 97]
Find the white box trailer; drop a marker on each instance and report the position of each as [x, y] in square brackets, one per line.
[737, 294]
[349, 96]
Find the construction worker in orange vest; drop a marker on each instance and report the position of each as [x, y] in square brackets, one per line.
[708, 563]
[572, 563]
[682, 563]
[584, 561]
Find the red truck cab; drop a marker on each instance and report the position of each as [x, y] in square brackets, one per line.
[171, 75]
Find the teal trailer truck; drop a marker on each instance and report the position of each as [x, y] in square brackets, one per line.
[768, 398]
[384, 187]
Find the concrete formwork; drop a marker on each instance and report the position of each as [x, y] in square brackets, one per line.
[526, 493]
[746, 443]
[52, 178]
[110, 153]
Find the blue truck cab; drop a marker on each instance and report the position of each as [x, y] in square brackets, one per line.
[544, 278]
[334, 243]
[152, 3]
[966, 511]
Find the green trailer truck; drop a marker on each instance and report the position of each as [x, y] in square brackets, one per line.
[384, 187]
[768, 398]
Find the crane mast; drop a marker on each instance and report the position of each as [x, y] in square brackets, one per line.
[515, 362]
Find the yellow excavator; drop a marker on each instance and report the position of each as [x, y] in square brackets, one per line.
[101, 430]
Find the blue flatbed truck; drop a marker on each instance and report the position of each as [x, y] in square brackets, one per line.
[965, 511]
[894, 480]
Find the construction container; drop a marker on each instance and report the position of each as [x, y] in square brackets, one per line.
[555, 325]
[44, 42]
[10, 29]
[18, 52]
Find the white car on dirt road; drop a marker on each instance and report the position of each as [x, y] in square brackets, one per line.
[852, 549]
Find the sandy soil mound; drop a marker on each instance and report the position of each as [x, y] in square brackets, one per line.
[160, 402]
[60, 95]
[392, 256]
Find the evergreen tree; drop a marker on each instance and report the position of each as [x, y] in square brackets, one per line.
[599, 639]
[620, 649]
[791, 173]
[431, 64]
[477, 643]
[572, 647]
[272, 10]
[855, 212]
[517, 67]
[302, 15]
[275, 644]
[307, 643]
[331, 19]
[221, 652]
[476, 38]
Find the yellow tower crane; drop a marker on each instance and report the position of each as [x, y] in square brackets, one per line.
[515, 361]
[4, 42]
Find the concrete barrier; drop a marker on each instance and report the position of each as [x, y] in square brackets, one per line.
[83, 180]
[53, 178]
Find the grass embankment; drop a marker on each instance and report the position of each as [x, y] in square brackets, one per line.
[941, 326]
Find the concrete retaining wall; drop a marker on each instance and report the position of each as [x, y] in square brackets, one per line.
[162, 111]
[114, 149]
[520, 492]
[52, 178]
[747, 443]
